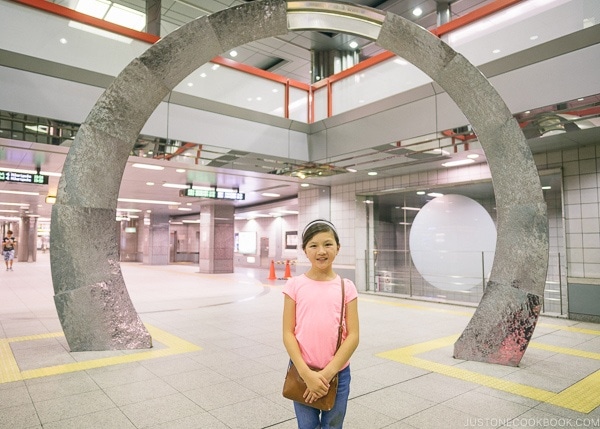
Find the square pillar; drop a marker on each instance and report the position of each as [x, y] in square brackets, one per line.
[216, 239]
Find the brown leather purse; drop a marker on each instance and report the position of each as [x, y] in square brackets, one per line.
[294, 386]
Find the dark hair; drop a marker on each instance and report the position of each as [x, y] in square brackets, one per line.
[316, 227]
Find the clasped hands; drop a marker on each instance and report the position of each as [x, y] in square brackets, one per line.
[317, 386]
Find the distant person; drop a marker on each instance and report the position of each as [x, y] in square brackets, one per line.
[311, 317]
[8, 249]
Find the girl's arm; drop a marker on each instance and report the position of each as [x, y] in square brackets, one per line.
[317, 384]
[349, 345]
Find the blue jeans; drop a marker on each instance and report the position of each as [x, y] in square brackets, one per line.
[311, 418]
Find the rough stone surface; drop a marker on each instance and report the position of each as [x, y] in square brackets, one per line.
[504, 321]
[502, 326]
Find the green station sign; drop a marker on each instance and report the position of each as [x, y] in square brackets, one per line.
[211, 193]
[11, 176]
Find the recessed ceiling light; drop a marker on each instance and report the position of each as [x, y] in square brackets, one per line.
[353, 44]
[535, 37]
[417, 11]
[135, 200]
[63, 41]
[496, 51]
[372, 173]
[420, 192]
[19, 192]
[233, 54]
[304, 185]
[190, 84]
[150, 183]
[180, 170]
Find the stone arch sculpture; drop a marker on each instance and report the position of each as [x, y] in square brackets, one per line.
[90, 294]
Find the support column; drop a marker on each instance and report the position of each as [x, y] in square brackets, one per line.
[328, 63]
[157, 251]
[216, 239]
[27, 240]
[153, 10]
[443, 12]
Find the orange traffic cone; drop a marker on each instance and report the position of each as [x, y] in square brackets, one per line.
[272, 271]
[287, 274]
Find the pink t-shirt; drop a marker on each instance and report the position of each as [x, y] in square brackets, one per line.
[318, 311]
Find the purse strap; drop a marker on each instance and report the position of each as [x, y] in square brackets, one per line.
[342, 315]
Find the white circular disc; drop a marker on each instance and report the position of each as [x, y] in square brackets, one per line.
[452, 242]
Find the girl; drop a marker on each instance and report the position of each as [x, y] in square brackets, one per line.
[311, 313]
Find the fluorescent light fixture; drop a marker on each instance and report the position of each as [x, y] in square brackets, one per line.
[351, 170]
[191, 221]
[304, 185]
[175, 185]
[372, 173]
[459, 162]
[22, 205]
[180, 170]
[275, 214]
[128, 210]
[135, 200]
[546, 187]
[19, 170]
[148, 166]
[420, 192]
[473, 156]
[270, 194]
[9, 211]
[19, 193]
[42, 129]
[150, 183]
[184, 209]
[435, 194]
[416, 209]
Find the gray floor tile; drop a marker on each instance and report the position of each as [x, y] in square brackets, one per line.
[52, 410]
[160, 410]
[108, 419]
[20, 416]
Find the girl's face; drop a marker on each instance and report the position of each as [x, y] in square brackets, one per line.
[321, 250]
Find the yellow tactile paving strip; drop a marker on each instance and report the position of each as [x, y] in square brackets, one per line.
[9, 369]
[582, 396]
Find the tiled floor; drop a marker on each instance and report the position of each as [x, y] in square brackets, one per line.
[218, 362]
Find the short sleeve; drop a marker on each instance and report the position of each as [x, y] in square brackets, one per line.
[350, 290]
[289, 288]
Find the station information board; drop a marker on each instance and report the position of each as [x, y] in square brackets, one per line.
[11, 176]
[211, 193]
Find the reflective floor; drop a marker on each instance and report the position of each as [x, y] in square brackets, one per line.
[218, 362]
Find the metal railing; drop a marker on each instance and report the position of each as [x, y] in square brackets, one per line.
[393, 272]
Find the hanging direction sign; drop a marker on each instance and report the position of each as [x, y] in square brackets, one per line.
[11, 176]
